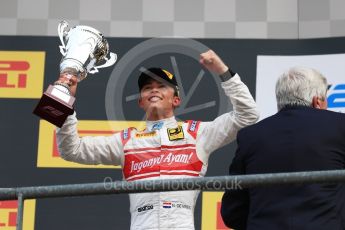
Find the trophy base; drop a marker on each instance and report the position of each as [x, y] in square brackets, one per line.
[55, 106]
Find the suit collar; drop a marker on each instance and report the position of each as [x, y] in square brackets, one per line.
[294, 107]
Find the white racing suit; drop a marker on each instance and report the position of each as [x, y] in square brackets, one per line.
[172, 150]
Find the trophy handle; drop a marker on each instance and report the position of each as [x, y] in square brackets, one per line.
[109, 62]
[61, 31]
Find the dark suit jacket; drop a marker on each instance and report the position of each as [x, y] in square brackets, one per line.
[295, 139]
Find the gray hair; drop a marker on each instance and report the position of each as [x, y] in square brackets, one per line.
[298, 86]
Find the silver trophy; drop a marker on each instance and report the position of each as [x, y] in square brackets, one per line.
[84, 50]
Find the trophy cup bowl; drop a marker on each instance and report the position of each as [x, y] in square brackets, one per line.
[84, 50]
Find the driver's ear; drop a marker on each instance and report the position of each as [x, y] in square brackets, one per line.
[140, 102]
[176, 101]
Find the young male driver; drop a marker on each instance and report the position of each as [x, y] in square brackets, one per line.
[165, 149]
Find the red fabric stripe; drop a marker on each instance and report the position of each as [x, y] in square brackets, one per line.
[158, 174]
[124, 140]
[194, 132]
[141, 149]
[156, 148]
[178, 146]
[142, 177]
[180, 173]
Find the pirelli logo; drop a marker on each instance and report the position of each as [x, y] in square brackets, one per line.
[143, 135]
[211, 218]
[48, 154]
[8, 214]
[21, 74]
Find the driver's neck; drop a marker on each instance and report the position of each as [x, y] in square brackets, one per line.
[159, 115]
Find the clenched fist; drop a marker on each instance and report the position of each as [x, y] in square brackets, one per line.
[69, 80]
[211, 61]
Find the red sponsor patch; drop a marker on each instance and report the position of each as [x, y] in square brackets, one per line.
[193, 127]
[168, 161]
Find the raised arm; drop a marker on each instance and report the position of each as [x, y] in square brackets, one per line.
[223, 130]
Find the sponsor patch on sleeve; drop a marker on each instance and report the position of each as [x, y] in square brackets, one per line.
[193, 127]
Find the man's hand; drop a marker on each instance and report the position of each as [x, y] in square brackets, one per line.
[70, 80]
[211, 61]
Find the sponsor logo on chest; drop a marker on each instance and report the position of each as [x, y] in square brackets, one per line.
[175, 134]
[145, 135]
[163, 160]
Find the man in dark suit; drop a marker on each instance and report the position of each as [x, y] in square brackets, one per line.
[302, 136]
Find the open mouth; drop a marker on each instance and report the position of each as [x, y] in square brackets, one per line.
[154, 98]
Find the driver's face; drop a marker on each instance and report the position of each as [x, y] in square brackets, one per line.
[156, 97]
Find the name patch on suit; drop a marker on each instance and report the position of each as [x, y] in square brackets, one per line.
[175, 134]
